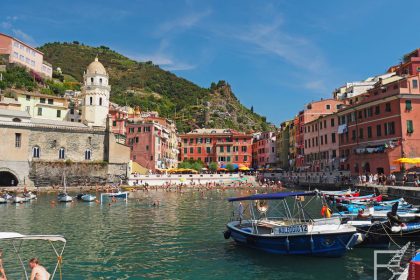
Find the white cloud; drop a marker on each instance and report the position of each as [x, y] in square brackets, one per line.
[271, 39]
[182, 23]
[165, 61]
[23, 36]
[6, 25]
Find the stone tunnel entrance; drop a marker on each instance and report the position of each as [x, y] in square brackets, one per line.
[8, 179]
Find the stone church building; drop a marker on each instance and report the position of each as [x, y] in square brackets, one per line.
[38, 151]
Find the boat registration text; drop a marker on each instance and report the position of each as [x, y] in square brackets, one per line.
[293, 229]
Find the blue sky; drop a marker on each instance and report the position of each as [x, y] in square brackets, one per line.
[276, 55]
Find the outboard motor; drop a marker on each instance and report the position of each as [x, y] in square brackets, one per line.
[392, 216]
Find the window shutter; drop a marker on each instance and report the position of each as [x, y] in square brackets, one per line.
[410, 128]
[408, 105]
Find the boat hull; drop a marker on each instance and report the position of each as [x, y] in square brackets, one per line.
[324, 245]
[64, 198]
[88, 198]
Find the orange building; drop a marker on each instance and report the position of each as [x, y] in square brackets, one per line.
[217, 145]
[382, 127]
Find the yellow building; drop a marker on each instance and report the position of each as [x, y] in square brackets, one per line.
[43, 106]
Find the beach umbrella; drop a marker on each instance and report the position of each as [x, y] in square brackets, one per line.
[408, 160]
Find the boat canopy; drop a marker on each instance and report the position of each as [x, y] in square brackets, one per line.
[271, 196]
[18, 236]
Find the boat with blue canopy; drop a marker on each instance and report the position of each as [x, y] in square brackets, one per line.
[273, 226]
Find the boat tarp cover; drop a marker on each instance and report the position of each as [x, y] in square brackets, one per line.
[271, 196]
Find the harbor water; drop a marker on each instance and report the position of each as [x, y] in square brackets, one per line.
[182, 238]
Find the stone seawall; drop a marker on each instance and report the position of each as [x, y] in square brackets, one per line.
[77, 174]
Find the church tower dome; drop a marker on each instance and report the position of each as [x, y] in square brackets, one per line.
[96, 67]
[95, 95]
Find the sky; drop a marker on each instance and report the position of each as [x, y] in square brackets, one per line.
[276, 55]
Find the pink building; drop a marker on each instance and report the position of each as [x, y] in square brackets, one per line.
[23, 54]
[313, 111]
[153, 142]
[321, 144]
[118, 116]
[264, 150]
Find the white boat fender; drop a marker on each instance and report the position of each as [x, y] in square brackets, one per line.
[396, 228]
[287, 244]
[360, 238]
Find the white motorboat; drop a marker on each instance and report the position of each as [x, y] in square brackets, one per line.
[3, 200]
[7, 196]
[64, 197]
[20, 199]
[88, 197]
[29, 195]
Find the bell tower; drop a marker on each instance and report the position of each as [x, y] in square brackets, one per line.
[95, 95]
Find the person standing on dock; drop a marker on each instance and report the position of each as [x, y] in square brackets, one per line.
[38, 271]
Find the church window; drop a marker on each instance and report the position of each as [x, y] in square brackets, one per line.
[35, 152]
[91, 80]
[18, 140]
[100, 81]
[100, 101]
[90, 100]
[58, 113]
[61, 153]
[88, 154]
[39, 111]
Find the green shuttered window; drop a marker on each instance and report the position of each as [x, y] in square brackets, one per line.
[410, 127]
[408, 105]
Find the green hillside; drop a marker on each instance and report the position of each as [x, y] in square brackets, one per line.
[152, 88]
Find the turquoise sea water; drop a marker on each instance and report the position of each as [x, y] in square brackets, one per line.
[180, 239]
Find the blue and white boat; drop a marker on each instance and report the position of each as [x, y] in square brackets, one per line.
[88, 197]
[118, 194]
[293, 233]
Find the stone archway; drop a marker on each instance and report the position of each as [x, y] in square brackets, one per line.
[8, 178]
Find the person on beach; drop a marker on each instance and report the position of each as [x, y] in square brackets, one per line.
[2, 272]
[38, 271]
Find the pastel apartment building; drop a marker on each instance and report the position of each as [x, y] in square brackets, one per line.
[153, 143]
[264, 150]
[222, 146]
[382, 127]
[312, 111]
[321, 144]
[43, 106]
[21, 53]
